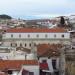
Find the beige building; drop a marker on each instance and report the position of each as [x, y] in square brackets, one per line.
[24, 37]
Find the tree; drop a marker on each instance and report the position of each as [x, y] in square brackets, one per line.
[5, 17]
[62, 21]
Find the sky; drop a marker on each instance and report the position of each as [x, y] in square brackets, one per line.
[32, 9]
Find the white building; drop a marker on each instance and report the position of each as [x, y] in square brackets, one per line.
[25, 36]
[7, 53]
[72, 19]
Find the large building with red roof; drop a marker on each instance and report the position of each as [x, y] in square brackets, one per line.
[43, 42]
[25, 36]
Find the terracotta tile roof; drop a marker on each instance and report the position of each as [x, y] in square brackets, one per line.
[33, 30]
[48, 50]
[2, 73]
[16, 64]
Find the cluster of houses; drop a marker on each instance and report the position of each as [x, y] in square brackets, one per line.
[32, 51]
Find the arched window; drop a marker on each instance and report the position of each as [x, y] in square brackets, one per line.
[20, 44]
[25, 44]
[30, 44]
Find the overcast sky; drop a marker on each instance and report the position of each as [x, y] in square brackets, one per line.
[37, 8]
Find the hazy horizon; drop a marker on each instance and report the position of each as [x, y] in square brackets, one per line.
[32, 9]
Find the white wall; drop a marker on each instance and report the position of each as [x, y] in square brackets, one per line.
[34, 36]
[7, 39]
[4, 56]
[15, 73]
[30, 68]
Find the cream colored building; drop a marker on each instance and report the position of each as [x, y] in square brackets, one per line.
[24, 37]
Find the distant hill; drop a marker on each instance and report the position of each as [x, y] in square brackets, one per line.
[5, 17]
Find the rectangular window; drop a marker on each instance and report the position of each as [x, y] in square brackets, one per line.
[55, 35]
[19, 35]
[44, 61]
[11, 44]
[28, 35]
[63, 36]
[15, 44]
[11, 35]
[31, 73]
[54, 64]
[46, 36]
[30, 44]
[37, 35]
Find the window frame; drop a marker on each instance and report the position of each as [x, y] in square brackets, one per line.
[37, 35]
[46, 35]
[28, 35]
[19, 35]
[62, 35]
[11, 35]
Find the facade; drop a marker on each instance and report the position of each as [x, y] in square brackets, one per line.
[24, 37]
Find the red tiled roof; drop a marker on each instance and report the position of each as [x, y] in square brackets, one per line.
[2, 73]
[44, 66]
[33, 30]
[16, 64]
[47, 50]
